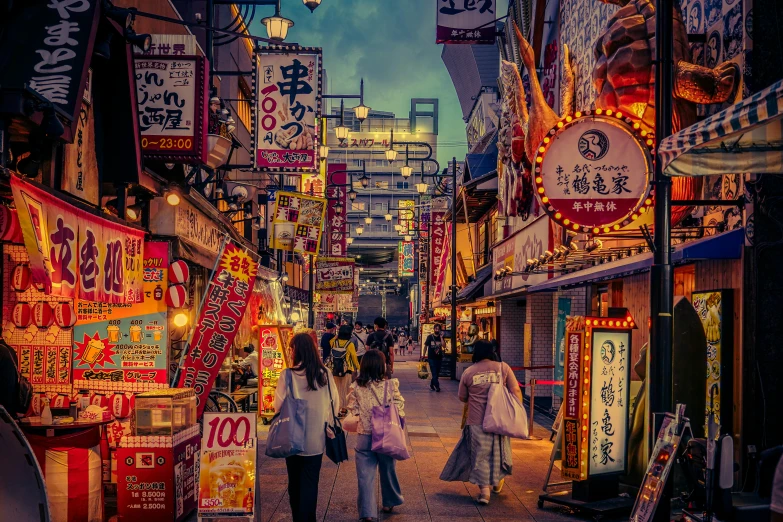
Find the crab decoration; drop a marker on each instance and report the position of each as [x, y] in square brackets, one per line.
[623, 77]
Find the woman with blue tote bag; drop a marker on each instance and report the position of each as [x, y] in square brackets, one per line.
[311, 383]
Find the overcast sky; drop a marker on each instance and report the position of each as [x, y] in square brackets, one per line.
[391, 44]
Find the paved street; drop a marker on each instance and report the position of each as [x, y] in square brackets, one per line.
[433, 421]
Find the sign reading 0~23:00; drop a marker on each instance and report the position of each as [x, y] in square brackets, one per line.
[592, 171]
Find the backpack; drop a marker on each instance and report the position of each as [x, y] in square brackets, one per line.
[338, 363]
[380, 345]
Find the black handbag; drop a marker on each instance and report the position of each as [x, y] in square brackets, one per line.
[336, 445]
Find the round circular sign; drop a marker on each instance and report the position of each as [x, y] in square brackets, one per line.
[593, 171]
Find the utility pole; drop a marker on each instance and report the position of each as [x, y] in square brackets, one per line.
[661, 280]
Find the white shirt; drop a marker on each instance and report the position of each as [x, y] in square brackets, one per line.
[361, 344]
[252, 361]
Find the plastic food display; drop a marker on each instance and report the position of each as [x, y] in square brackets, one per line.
[166, 411]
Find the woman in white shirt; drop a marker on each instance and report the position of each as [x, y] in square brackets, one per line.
[310, 380]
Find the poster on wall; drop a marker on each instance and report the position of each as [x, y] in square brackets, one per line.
[228, 463]
[297, 222]
[125, 347]
[76, 253]
[288, 83]
[609, 387]
[465, 22]
[563, 310]
[334, 275]
[221, 312]
[171, 95]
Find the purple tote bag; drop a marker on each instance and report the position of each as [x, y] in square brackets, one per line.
[504, 415]
[388, 433]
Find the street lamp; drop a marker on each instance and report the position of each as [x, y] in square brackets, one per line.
[323, 152]
[352, 194]
[368, 220]
[311, 4]
[408, 238]
[406, 171]
[349, 240]
[277, 26]
[364, 180]
[387, 217]
[341, 131]
[361, 111]
[421, 188]
[359, 230]
[338, 208]
[391, 154]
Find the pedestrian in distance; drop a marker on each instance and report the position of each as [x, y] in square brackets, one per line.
[344, 364]
[310, 379]
[359, 339]
[326, 340]
[482, 458]
[410, 346]
[369, 391]
[381, 339]
[433, 347]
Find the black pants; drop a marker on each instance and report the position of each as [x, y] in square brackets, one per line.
[303, 475]
[435, 371]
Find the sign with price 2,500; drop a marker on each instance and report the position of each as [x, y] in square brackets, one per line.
[228, 463]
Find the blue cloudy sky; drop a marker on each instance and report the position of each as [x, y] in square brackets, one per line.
[391, 43]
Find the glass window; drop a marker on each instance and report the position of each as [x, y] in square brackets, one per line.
[378, 162]
[402, 184]
[382, 184]
[380, 207]
[357, 185]
[358, 205]
[244, 104]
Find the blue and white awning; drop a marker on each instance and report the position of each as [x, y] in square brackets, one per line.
[746, 137]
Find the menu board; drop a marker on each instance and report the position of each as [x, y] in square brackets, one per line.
[228, 465]
[123, 347]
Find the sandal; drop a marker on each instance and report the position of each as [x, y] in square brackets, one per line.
[388, 509]
[499, 487]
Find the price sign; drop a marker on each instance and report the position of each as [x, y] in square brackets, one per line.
[228, 462]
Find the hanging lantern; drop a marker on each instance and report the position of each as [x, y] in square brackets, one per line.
[100, 399]
[64, 315]
[121, 405]
[22, 316]
[43, 316]
[179, 272]
[176, 296]
[21, 278]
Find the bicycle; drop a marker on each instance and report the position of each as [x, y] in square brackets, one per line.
[219, 401]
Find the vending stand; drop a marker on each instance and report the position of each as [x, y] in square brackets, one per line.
[595, 414]
[275, 355]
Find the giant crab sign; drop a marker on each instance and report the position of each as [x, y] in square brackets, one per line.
[623, 77]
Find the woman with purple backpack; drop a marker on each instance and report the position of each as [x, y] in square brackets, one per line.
[373, 389]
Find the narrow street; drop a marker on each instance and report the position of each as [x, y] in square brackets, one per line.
[433, 422]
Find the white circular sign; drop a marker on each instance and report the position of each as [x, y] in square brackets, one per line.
[592, 172]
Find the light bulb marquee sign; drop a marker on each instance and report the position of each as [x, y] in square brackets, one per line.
[593, 171]
[596, 395]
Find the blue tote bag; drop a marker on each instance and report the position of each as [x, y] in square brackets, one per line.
[287, 432]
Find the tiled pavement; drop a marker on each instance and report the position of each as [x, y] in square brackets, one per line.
[433, 421]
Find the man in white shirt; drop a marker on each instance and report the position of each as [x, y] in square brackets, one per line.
[250, 363]
[359, 340]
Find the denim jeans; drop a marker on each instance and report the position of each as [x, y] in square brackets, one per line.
[435, 371]
[367, 462]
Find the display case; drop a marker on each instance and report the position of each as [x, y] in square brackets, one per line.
[165, 412]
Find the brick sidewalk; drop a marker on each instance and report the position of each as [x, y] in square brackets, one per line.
[433, 421]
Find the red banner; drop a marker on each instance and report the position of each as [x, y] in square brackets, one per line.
[221, 313]
[338, 234]
[74, 253]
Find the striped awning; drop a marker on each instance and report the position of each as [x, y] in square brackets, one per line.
[746, 137]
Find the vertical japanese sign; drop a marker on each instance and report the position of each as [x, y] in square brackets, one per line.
[563, 310]
[334, 275]
[75, 253]
[227, 478]
[710, 307]
[437, 243]
[337, 223]
[288, 97]
[171, 94]
[405, 217]
[273, 359]
[406, 258]
[298, 222]
[465, 21]
[80, 173]
[610, 369]
[440, 275]
[125, 347]
[221, 313]
[574, 426]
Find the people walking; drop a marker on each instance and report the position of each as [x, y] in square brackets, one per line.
[368, 391]
[326, 340]
[382, 340]
[344, 363]
[481, 458]
[433, 347]
[310, 379]
[359, 340]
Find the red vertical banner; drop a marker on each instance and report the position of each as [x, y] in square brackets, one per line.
[337, 223]
[218, 321]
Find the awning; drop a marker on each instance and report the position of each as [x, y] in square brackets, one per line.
[479, 195]
[721, 246]
[746, 137]
[475, 289]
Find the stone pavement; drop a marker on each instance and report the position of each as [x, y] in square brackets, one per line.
[433, 422]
